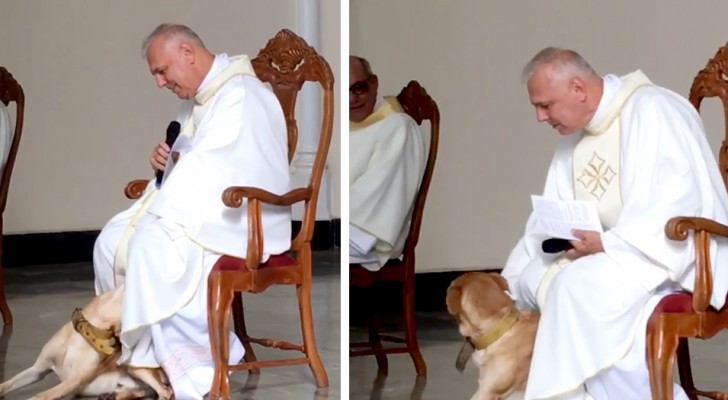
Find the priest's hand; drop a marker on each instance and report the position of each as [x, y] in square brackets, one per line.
[159, 156]
[589, 242]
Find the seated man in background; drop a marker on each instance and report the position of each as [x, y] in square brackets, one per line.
[163, 248]
[386, 163]
[638, 152]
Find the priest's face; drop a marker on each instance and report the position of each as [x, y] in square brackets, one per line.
[170, 62]
[362, 91]
[559, 101]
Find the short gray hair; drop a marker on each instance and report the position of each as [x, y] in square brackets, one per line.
[170, 31]
[562, 60]
[365, 65]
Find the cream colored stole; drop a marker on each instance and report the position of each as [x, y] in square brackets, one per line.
[388, 107]
[239, 65]
[596, 168]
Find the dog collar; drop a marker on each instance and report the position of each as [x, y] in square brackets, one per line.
[490, 336]
[103, 341]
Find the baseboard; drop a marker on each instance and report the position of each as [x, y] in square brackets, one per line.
[20, 250]
[326, 234]
[430, 292]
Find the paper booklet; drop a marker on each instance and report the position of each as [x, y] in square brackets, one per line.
[558, 217]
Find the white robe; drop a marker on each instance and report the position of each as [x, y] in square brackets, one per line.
[386, 163]
[6, 135]
[233, 134]
[593, 322]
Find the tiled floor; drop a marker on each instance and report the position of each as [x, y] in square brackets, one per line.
[42, 299]
[440, 343]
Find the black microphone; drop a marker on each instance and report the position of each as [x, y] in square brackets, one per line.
[556, 245]
[172, 133]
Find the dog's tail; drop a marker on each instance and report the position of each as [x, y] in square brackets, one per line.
[31, 375]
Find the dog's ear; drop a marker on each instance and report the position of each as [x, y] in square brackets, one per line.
[452, 299]
[500, 280]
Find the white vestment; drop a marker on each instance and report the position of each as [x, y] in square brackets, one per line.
[6, 135]
[386, 163]
[594, 310]
[164, 246]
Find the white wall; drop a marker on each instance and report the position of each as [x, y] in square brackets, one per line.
[331, 49]
[469, 56]
[93, 112]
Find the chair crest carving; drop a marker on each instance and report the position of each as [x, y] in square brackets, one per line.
[411, 100]
[712, 81]
[287, 62]
[293, 61]
[10, 90]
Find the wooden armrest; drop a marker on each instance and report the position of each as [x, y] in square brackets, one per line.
[135, 188]
[233, 196]
[677, 228]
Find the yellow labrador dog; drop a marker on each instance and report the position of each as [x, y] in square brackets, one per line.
[499, 337]
[83, 353]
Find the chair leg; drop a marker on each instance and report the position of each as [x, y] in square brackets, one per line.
[4, 344]
[413, 346]
[303, 292]
[376, 343]
[4, 308]
[684, 369]
[378, 386]
[661, 348]
[419, 388]
[241, 331]
[219, 301]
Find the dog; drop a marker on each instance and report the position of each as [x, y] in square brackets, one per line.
[498, 337]
[83, 354]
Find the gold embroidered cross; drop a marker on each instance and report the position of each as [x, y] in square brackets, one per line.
[598, 175]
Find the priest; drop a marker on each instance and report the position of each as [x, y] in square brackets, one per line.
[638, 151]
[386, 163]
[233, 133]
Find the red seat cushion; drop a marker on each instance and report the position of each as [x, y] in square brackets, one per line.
[681, 302]
[229, 263]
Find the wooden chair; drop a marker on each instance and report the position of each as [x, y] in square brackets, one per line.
[286, 62]
[420, 106]
[684, 315]
[10, 91]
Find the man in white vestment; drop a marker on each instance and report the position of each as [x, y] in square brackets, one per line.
[639, 153]
[233, 133]
[386, 163]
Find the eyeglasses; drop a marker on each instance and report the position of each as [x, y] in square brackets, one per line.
[359, 88]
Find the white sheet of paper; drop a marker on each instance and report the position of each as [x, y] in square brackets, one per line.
[558, 218]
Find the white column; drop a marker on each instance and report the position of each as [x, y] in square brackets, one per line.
[308, 115]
